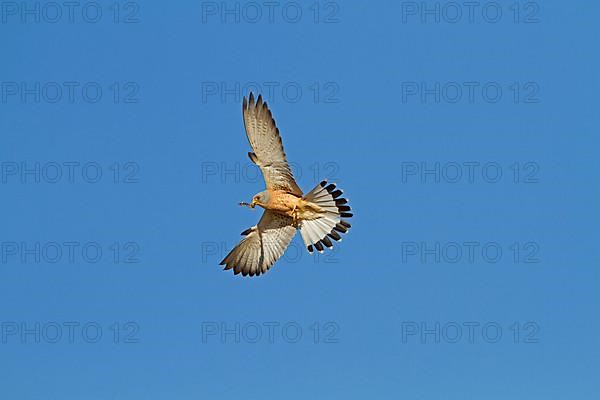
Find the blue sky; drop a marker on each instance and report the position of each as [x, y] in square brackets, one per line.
[465, 139]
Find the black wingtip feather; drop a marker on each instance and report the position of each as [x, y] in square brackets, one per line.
[340, 228]
[327, 242]
[319, 247]
[334, 235]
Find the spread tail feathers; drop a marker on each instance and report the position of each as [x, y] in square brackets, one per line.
[318, 232]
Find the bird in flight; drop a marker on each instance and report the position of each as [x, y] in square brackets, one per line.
[318, 214]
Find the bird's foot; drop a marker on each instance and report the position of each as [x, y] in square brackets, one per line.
[295, 219]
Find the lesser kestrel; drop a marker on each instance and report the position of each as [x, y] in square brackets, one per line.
[318, 214]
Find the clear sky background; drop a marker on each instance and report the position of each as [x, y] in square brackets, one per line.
[449, 131]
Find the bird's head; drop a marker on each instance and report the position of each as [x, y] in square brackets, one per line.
[261, 198]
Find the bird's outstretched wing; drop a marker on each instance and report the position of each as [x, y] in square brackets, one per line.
[268, 154]
[262, 246]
